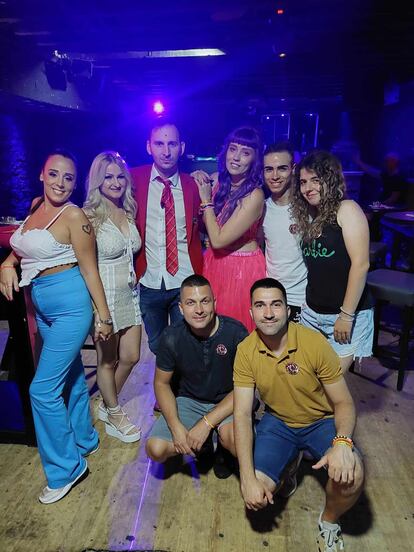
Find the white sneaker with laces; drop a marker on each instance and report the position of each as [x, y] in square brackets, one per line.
[330, 536]
[48, 495]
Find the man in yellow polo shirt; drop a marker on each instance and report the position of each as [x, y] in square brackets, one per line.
[307, 407]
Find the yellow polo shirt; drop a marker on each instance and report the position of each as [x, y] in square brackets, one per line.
[290, 385]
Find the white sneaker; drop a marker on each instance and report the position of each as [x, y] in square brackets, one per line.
[48, 495]
[92, 451]
[330, 537]
[122, 429]
[102, 412]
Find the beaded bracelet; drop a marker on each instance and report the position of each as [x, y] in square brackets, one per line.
[343, 440]
[208, 423]
[347, 313]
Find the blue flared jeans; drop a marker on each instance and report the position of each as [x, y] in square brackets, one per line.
[58, 392]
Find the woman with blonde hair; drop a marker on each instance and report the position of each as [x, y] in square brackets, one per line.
[111, 209]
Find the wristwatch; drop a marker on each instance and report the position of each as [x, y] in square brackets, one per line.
[107, 321]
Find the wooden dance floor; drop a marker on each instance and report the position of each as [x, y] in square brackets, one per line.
[128, 503]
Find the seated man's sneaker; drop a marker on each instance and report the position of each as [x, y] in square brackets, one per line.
[224, 463]
[48, 495]
[330, 537]
[290, 483]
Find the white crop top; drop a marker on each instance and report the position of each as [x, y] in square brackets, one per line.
[39, 250]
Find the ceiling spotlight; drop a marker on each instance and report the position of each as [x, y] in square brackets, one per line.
[158, 107]
[280, 11]
[282, 55]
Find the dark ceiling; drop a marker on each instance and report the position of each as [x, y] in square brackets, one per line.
[335, 50]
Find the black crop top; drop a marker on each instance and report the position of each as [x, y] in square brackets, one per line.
[328, 265]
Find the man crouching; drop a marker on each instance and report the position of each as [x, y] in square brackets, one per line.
[199, 351]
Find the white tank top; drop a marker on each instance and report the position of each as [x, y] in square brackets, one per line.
[39, 250]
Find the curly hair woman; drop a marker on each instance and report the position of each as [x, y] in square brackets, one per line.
[232, 213]
[335, 244]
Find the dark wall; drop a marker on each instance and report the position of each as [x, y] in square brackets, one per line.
[26, 137]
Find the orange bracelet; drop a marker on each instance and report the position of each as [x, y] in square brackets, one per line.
[6, 266]
[343, 440]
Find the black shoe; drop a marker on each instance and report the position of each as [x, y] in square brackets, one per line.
[205, 456]
[224, 463]
[290, 483]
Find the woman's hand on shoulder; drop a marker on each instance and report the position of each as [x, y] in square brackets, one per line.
[204, 185]
[200, 176]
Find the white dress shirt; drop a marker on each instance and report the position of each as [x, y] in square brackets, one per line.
[155, 249]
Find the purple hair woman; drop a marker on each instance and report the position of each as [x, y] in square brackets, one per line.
[232, 210]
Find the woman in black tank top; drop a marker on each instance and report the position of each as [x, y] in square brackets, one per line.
[335, 245]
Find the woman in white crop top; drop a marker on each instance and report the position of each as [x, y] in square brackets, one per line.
[111, 209]
[56, 249]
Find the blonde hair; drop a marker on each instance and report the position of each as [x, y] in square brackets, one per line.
[95, 208]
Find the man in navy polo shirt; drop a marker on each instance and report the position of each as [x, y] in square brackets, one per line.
[200, 351]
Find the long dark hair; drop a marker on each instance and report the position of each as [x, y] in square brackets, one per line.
[224, 201]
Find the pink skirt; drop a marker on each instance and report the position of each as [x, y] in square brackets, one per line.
[231, 274]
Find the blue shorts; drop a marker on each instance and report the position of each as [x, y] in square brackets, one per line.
[362, 331]
[190, 412]
[277, 444]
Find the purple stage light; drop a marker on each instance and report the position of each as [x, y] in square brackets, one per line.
[158, 107]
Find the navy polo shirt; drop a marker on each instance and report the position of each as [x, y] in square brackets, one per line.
[204, 366]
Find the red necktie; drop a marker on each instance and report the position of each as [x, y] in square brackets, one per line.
[171, 250]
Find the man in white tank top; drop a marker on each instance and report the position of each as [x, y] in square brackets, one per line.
[284, 260]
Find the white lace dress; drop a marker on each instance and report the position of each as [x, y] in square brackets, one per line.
[116, 268]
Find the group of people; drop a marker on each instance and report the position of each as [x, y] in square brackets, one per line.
[135, 251]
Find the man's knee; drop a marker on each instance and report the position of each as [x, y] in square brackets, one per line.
[158, 449]
[226, 436]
